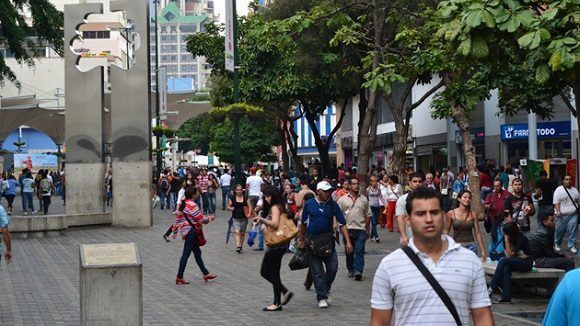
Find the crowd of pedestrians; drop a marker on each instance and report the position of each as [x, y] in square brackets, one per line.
[329, 210]
[41, 186]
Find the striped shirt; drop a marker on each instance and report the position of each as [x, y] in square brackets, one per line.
[400, 285]
[191, 211]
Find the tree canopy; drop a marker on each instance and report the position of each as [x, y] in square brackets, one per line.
[24, 41]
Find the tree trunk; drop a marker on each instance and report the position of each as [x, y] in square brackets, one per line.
[367, 132]
[462, 120]
[397, 165]
[281, 126]
[292, 138]
[321, 146]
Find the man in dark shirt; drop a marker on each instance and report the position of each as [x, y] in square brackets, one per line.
[542, 246]
[545, 195]
[519, 206]
[317, 221]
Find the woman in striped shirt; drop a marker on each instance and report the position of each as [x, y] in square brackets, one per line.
[188, 223]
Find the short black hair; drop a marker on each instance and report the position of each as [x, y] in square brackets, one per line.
[422, 193]
[417, 175]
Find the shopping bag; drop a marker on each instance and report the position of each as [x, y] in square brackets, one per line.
[252, 234]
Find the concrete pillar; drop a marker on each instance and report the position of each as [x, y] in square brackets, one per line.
[84, 123]
[111, 285]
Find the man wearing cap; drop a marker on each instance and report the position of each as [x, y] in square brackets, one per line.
[319, 236]
[356, 210]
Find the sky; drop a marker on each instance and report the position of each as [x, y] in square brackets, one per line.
[220, 8]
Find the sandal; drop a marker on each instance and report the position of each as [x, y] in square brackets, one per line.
[278, 308]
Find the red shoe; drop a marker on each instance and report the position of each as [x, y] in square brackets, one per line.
[180, 281]
[209, 277]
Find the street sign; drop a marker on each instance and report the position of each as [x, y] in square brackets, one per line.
[230, 63]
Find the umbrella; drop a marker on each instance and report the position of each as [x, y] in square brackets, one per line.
[230, 223]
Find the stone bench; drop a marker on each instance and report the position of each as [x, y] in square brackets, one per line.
[37, 226]
[547, 278]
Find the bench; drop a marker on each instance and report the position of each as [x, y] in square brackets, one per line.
[547, 278]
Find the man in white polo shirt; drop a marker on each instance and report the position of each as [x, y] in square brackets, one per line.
[401, 288]
[401, 212]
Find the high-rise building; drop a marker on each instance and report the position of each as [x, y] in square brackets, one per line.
[176, 21]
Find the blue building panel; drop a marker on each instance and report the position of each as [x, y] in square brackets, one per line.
[34, 139]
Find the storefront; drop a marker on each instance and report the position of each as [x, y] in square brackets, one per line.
[553, 140]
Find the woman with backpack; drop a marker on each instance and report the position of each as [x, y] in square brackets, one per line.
[189, 224]
[46, 187]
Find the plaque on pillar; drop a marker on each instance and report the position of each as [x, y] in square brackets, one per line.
[111, 284]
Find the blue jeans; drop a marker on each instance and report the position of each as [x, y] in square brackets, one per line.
[376, 212]
[566, 224]
[27, 201]
[211, 200]
[503, 273]
[225, 193]
[205, 201]
[355, 262]
[323, 279]
[164, 199]
[173, 200]
[190, 245]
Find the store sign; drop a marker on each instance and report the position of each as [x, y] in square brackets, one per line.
[545, 130]
[477, 136]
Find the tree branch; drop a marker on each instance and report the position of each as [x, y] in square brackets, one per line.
[426, 95]
[338, 123]
[566, 101]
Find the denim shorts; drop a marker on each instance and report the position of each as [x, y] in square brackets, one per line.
[239, 224]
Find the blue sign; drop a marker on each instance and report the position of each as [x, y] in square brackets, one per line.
[546, 130]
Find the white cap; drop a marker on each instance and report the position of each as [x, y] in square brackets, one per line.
[323, 185]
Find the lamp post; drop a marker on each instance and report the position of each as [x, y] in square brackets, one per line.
[236, 118]
[157, 98]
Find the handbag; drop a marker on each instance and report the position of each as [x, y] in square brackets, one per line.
[434, 284]
[285, 232]
[199, 237]
[321, 245]
[299, 260]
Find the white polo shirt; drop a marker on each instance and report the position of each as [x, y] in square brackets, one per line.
[400, 285]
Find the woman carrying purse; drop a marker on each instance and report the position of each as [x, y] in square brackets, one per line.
[188, 223]
[272, 261]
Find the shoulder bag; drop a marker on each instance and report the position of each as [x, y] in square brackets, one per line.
[285, 232]
[433, 282]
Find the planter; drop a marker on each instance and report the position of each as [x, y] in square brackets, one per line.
[218, 117]
[157, 131]
[255, 115]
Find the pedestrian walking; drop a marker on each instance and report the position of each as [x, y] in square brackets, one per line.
[189, 224]
[164, 188]
[405, 233]
[465, 226]
[46, 189]
[393, 191]
[317, 233]
[420, 283]
[202, 179]
[212, 186]
[27, 186]
[270, 270]
[356, 210]
[10, 186]
[225, 183]
[241, 209]
[4, 222]
[376, 201]
[566, 203]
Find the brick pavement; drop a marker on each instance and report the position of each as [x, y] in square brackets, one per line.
[41, 286]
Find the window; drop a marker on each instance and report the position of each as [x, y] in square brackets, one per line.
[186, 57]
[164, 58]
[173, 38]
[184, 68]
[193, 68]
[173, 29]
[174, 48]
[184, 38]
[173, 58]
[169, 16]
[190, 28]
[103, 34]
[183, 48]
[163, 38]
[173, 68]
[89, 34]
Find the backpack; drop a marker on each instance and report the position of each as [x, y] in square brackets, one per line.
[45, 186]
[164, 184]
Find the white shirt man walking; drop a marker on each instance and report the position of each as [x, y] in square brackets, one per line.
[225, 183]
[566, 203]
[399, 286]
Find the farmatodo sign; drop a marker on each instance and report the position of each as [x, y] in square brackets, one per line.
[545, 130]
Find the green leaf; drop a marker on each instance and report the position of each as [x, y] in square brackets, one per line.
[487, 17]
[513, 24]
[447, 10]
[474, 18]
[544, 34]
[542, 74]
[536, 41]
[464, 47]
[549, 14]
[526, 40]
[479, 47]
[555, 61]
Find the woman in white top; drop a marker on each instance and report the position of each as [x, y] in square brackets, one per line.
[393, 191]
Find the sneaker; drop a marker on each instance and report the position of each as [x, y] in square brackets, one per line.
[557, 248]
[574, 250]
[358, 277]
[322, 304]
[25, 213]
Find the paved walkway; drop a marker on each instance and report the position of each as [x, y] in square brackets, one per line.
[41, 286]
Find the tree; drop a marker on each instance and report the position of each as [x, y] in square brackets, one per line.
[198, 129]
[541, 37]
[256, 140]
[16, 35]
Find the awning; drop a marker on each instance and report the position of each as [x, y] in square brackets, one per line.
[17, 111]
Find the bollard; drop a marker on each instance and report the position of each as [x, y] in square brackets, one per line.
[111, 285]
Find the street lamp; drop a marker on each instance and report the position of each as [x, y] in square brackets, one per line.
[157, 99]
